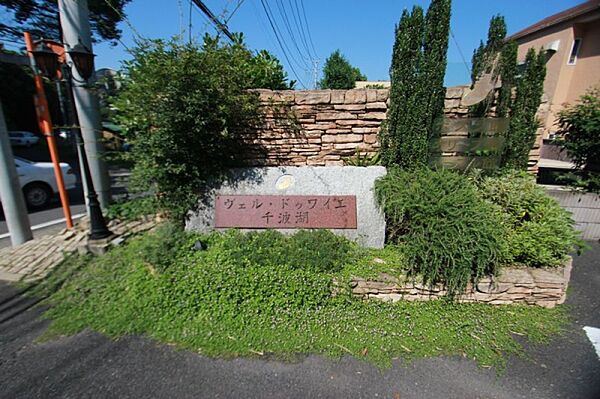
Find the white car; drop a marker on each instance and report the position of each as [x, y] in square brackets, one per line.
[23, 139]
[38, 181]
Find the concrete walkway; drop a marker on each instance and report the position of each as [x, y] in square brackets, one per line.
[36, 258]
[91, 365]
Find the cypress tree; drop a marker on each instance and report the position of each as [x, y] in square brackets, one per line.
[435, 50]
[508, 73]
[496, 34]
[417, 91]
[477, 62]
[403, 137]
[523, 124]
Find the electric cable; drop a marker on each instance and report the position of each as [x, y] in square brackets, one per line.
[281, 45]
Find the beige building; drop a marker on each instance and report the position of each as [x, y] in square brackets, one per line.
[571, 40]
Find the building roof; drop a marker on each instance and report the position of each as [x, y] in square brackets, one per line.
[584, 8]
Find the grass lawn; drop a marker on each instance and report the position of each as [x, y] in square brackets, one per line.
[263, 294]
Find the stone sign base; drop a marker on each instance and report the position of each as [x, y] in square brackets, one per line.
[336, 192]
[545, 287]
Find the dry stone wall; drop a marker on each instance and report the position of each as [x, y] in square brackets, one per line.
[325, 127]
[545, 287]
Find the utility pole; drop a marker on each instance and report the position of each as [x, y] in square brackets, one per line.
[11, 195]
[218, 24]
[75, 24]
[315, 72]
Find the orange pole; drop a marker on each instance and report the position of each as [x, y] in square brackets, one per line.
[41, 108]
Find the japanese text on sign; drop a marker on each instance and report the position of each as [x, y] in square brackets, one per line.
[286, 212]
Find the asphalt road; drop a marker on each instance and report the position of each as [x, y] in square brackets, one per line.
[91, 365]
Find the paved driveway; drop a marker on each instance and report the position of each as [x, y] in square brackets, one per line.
[90, 365]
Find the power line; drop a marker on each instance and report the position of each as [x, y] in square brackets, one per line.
[281, 45]
[297, 23]
[219, 25]
[278, 33]
[127, 21]
[286, 23]
[307, 27]
[240, 2]
[460, 52]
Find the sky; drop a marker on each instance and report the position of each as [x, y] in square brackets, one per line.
[362, 30]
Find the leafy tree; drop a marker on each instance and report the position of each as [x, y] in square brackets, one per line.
[338, 73]
[579, 129]
[523, 124]
[40, 17]
[269, 73]
[185, 109]
[417, 91]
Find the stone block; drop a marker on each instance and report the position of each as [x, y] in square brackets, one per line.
[380, 116]
[383, 94]
[320, 126]
[371, 95]
[370, 138]
[357, 122]
[338, 131]
[355, 96]
[313, 97]
[455, 92]
[363, 130]
[341, 138]
[517, 276]
[338, 96]
[268, 96]
[452, 103]
[332, 116]
[377, 106]
[306, 180]
[346, 146]
[350, 107]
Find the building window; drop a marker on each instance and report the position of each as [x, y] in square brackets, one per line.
[574, 51]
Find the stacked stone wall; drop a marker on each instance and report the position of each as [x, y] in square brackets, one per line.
[326, 127]
[544, 287]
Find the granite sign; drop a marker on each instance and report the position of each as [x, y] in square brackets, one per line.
[286, 212]
[339, 198]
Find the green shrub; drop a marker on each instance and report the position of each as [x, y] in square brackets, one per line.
[579, 130]
[539, 232]
[316, 250]
[450, 234]
[186, 108]
[132, 208]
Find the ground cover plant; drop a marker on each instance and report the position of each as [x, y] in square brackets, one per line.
[242, 296]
